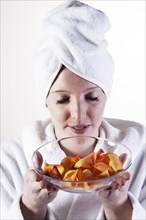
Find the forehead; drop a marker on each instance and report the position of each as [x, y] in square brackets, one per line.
[68, 79]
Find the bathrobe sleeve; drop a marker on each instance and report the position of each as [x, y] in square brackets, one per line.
[13, 168]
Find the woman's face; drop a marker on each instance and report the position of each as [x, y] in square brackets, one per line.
[76, 105]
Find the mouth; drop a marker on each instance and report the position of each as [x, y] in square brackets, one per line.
[79, 129]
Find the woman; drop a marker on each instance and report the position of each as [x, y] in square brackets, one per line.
[74, 79]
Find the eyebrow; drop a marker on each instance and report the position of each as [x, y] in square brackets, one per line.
[60, 90]
[94, 87]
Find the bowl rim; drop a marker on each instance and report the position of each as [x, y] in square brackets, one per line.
[80, 181]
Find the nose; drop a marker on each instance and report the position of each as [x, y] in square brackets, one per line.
[78, 111]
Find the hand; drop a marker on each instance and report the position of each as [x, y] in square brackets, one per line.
[116, 194]
[37, 193]
[115, 198]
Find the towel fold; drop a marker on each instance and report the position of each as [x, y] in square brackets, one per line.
[74, 37]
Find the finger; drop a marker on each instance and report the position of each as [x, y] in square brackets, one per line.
[50, 194]
[50, 187]
[126, 176]
[123, 157]
[31, 175]
[39, 186]
[123, 180]
[38, 160]
[53, 192]
[104, 192]
[114, 185]
[43, 184]
[120, 181]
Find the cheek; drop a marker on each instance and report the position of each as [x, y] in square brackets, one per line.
[96, 113]
[57, 115]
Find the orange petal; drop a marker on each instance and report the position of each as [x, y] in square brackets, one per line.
[68, 163]
[95, 173]
[48, 167]
[103, 158]
[77, 157]
[87, 174]
[97, 155]
[79, 175]
[54, 173]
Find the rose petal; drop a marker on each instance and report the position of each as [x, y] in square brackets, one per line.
[60, 169]
[68, 163]
[54, 173]
[48, 167]
[87, 174]
[115, 162]
[104, 174]
[92, 167]
[89, 160]
[70, 175]
[102, 166]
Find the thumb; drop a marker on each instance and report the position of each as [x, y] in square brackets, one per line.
[38, 160]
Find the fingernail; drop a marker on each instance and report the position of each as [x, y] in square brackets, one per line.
[126, 176]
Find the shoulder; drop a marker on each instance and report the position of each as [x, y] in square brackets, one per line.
[126, 125]
[35, 132]
[130, 133]
[37, 127]
[31, 135]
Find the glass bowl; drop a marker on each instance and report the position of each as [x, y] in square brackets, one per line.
[48, 154]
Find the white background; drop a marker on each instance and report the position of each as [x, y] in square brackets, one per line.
[20, 33]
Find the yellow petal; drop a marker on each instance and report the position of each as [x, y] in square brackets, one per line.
[85, 162]
[101, 166]
[104, 174]
[89, 160]
[60, 169]
[115, 162]
[70, 175]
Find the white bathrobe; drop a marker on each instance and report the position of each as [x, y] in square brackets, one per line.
[16, 158]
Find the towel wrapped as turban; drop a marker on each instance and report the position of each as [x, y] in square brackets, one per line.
[74, 37]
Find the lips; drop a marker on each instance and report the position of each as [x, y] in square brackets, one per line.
[79, 129]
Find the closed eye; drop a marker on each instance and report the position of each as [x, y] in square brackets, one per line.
[90, 98]
[66, 99]
[63, 100]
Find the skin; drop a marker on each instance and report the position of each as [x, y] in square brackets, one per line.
[76, 107]
[74, 102]
[37, 194]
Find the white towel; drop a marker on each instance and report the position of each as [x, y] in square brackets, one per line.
[74, 36]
